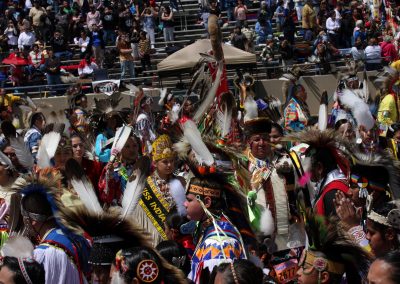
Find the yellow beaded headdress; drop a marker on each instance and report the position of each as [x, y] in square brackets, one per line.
[162, 148]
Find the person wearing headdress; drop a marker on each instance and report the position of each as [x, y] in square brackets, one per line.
[145, 124]
[393, 138]
[217, 239]
[296, 112]
[331, 255]
[62, 253]
[163, 191]
[144, 265]
[268, 186]
[105, 121]
[34, 134]
[116, 173]
[325, 165]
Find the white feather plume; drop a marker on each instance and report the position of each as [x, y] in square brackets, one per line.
[251, 108]
[267, 225]
[47, 149]
[193, 136]
[133, 192]
[84, 189]
[177, 192]
[323, 113]
[206, 103]
[121, 136]
[6, 161]
[163, 93]
[31, 103]
[22, 152]
[18, 246]
[227, 120]
[174, 113]
[358, 107]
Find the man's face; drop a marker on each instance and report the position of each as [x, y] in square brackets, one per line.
[259, 146]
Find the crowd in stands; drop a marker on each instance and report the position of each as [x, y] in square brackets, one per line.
[285, 32]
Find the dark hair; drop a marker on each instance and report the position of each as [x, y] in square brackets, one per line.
[37, 203]
[383, 209]
[8, 129]
[393, 259]
[175, 254]
[133, 257]
[36, 116]
[244, 270]
[277, 127]
[340, 122]
[213, 182]
[174, 220]
[34, 270]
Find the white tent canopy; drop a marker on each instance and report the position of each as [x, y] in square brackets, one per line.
[188, 56]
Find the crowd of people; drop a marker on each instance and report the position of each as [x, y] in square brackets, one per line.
[288, 32]
[213, 187]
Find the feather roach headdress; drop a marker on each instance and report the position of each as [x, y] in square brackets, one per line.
[330, 249]
[322, 142]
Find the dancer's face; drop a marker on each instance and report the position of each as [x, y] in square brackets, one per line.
[380, 272]
[165, 167]
[259, 146]
[380, 242]
[193, 208]
[78, 148]
[130, 151]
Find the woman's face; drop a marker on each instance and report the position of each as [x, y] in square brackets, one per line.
[259, 146]
[130, 151]
[165, 167]
[380, 273]
[193, 208]
[78, 148]
[6, 275]
[275, 136]
[377, 241]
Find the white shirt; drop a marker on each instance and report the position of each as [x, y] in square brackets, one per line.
[26, 38]
[358, 54]
[373, 54]
[331, 25]
[83, 43]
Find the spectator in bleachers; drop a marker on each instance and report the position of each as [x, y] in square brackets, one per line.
[338, 11]
[87, 66]
[268, 56]
[60, 46]
[309, 21]
[230, 9]
[389, 52]
[346, 30]
[288, 26]
[37, 14]
[135, 37]
[333, 28]
[149, 24]
[109, 24]
[238, 39]
[97, 44]
[93, 18]
[26, 39]
[373, 52]
[167, 18]
[125, 17]
[357, 51]
[240, 13]
[298, 6]
[214, 9]
[262, 32]
[67, 8]
[52, 68]
[323, 15]
[12, 35]
[144, 51]
[77, 24]
[250, 35]
[286, 52]
[62, 21]
[22, 23]
[279, 15]
[359, 32]
[35, 59]
[125, 56]
[83, 43]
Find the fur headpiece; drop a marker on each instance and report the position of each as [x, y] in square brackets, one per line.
[331, 249]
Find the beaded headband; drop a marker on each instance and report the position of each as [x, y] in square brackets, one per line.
[392, 220]
[205, 191]
[321, 263]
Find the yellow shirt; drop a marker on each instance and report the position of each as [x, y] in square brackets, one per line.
[387, 111]
[8, 100]
[396, 65]
[309, 19]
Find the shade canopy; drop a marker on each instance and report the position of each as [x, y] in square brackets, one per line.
[187, 57]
